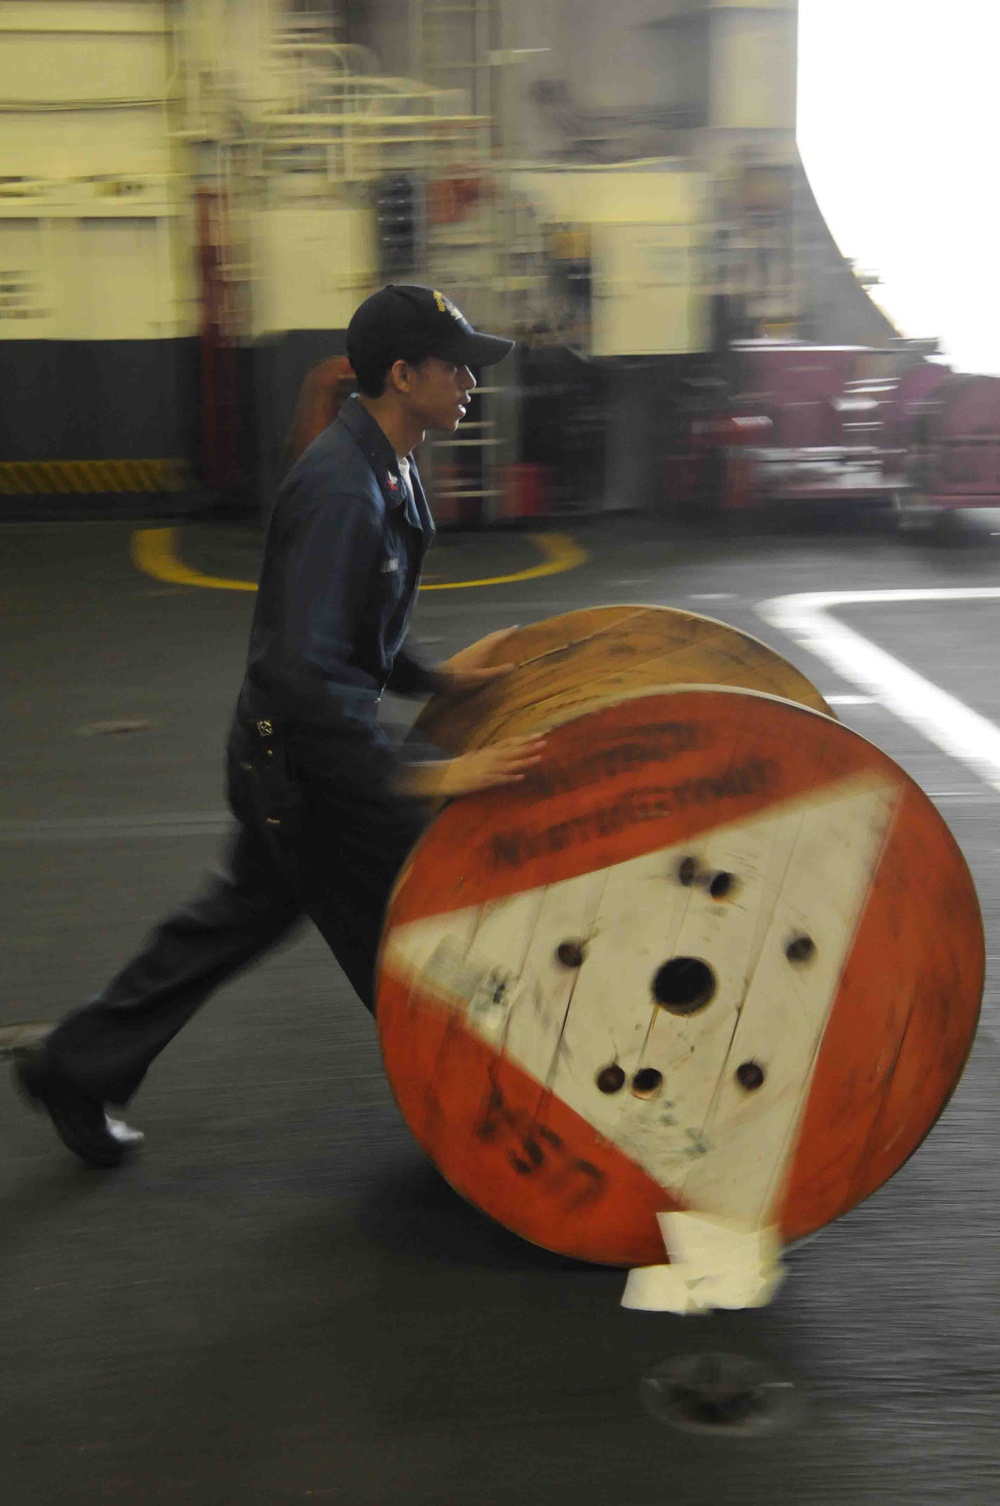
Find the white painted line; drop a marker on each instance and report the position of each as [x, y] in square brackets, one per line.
[976, 796]
[945, 721]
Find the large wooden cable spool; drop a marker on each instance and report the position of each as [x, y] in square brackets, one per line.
[717, 954]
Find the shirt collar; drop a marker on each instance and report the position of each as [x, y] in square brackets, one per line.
[380, 456]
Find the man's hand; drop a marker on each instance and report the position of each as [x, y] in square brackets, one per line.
[505, 763]
[467, 671]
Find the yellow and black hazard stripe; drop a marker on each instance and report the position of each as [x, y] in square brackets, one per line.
[20, 478]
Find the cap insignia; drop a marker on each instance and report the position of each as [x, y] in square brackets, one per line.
[445, 306]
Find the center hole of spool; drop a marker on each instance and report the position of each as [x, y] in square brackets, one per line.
[684, 985]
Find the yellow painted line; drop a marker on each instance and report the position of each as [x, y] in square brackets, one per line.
[154, 552]
[65, 477]
[559, 551]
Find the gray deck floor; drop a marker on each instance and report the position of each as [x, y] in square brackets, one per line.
[280, 1300]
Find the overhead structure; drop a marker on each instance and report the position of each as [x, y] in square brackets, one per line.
[98, 312]
[197, 194]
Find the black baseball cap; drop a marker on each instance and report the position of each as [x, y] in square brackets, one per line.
[407, 321]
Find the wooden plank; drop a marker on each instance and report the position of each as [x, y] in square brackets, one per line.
[748, 1136]
[580, 660]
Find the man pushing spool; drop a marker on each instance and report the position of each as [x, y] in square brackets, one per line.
[325, 811]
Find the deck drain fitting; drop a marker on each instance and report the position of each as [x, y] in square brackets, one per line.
[718, 1393]
[722, 885]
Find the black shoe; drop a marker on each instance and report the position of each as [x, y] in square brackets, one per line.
[80, 1121]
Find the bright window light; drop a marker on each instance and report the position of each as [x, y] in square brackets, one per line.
[898, 124]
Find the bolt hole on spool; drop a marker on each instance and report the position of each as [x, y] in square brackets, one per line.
[571, 953]
[611, 1079]
[750, 1075]
[800, 949]
[646, 1083]
[683, 985]
[722, 885]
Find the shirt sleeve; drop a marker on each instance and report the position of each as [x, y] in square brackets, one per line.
[410, 675]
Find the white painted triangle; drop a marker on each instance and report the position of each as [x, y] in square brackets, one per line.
[803, 867]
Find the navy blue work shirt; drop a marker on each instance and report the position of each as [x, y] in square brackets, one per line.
[341, 568]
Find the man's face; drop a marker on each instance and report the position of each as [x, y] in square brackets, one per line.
[437, 392]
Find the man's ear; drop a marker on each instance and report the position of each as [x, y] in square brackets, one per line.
[399, 375]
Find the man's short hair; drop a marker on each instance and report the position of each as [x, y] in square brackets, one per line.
[371, 368]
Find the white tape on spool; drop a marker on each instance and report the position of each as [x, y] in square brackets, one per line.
[712, 1265]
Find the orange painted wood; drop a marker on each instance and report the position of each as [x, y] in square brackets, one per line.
[904, 1024]
[580, 660]
[681, 771]
[506, 1145]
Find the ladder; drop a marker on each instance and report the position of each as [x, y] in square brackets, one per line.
[453, 45]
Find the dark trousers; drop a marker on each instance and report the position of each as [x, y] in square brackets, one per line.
[305, 845]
